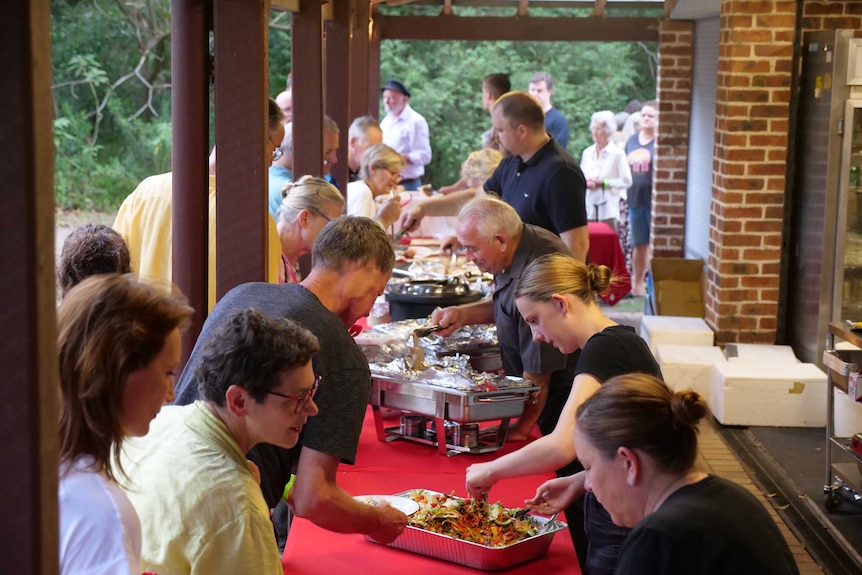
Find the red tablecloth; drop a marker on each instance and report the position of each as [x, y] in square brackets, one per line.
[605, 250]
[386, 468]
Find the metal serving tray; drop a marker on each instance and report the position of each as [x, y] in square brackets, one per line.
[474, 555]
[450, 404]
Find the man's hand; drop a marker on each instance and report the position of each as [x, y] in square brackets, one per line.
[392, 524]
[449, 319]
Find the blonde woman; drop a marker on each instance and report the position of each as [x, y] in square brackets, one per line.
[379, 174]
[556, 296]
[307, 206]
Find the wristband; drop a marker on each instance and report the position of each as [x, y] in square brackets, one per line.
[605, 185]
[288, 487]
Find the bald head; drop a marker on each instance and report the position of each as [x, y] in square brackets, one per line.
[285, 102]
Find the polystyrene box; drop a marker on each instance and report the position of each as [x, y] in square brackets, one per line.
[656, 329]
[848, 415]
[759, 352]
[771, 394]
[688, 366]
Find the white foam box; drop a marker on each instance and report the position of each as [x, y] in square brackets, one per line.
[759, 352]
[658, 329]
[688, 366]
[770, 394]
[848, 415]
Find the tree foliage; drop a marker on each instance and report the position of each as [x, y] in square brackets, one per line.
[112, 115]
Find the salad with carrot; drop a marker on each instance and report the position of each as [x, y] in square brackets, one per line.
[471, 520]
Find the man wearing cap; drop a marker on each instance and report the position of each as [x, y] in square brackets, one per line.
[406, 132]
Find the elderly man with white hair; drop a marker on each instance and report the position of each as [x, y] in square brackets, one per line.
[606, 169]
[363, 133]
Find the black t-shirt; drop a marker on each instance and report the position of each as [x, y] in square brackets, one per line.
[640, 159]
[547, 191]
[617, 350]
[713, 527]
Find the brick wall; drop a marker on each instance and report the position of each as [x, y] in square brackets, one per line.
[671, 150]
[832, 15]
[752, 110]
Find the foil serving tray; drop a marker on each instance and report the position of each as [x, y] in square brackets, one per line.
[468, 554]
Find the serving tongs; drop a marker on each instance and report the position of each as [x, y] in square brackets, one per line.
[426, 330]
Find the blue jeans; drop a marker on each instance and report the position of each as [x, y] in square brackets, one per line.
[605, 538]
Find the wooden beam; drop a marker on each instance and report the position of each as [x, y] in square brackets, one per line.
[190, 67]
[338, 82]
[307, 68]
[359, 39]
[285, 5]
[518, 29]
[374, 62]
[28, 356]
[242, 141]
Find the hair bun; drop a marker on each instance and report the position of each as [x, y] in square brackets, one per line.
[688, 408]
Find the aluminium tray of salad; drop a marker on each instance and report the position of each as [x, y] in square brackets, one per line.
[497, 539]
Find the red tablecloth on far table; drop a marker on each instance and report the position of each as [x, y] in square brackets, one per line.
[605, 250]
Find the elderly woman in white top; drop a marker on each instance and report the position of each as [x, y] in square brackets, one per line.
[606, 169]
[307, 206]
[379, 174]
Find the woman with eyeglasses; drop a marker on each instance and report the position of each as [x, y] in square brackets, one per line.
[307, 205]
[200, 504]
[379, 174]
[118, 345]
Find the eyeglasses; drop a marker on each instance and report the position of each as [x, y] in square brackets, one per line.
[392, 175]
[276, 153]
[319, 213]
[301, 400]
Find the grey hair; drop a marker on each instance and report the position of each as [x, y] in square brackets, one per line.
[490, 216]
[330, 126]
[306, 193]
[360, 126]
[379, 156]
[604, 118]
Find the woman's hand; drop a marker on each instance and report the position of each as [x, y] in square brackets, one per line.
[389, 212]
[555, 495]
[479, 480]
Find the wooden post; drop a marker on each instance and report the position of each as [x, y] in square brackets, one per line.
[28, 358]
[337, 94]
[307, 68]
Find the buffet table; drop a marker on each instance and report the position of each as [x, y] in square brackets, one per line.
[605, 249]
[386, 468]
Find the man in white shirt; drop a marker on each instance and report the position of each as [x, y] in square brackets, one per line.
[406, 132]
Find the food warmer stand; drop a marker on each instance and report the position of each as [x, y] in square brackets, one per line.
[448, 405]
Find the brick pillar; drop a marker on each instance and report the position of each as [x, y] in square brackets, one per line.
[751, 125]
[671, 149]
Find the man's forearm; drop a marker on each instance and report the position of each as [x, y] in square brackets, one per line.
[449, 204]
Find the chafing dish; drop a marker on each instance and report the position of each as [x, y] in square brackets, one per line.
[449, 404]
[473, 555]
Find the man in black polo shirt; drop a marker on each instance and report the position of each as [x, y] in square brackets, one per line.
[540, 179]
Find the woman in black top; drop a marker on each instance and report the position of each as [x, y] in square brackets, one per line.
[637, 440]
[556, 296]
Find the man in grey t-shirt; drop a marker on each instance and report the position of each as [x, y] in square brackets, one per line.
[352, 260]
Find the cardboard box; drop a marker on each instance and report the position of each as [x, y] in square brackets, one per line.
[677, 287]
[656, 329]
[759, 352]
[688, 366]
[768, 393]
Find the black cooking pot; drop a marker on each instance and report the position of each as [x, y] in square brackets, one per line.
[418, 297]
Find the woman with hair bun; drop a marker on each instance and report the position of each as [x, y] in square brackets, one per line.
[638, 441]
[556, 296]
